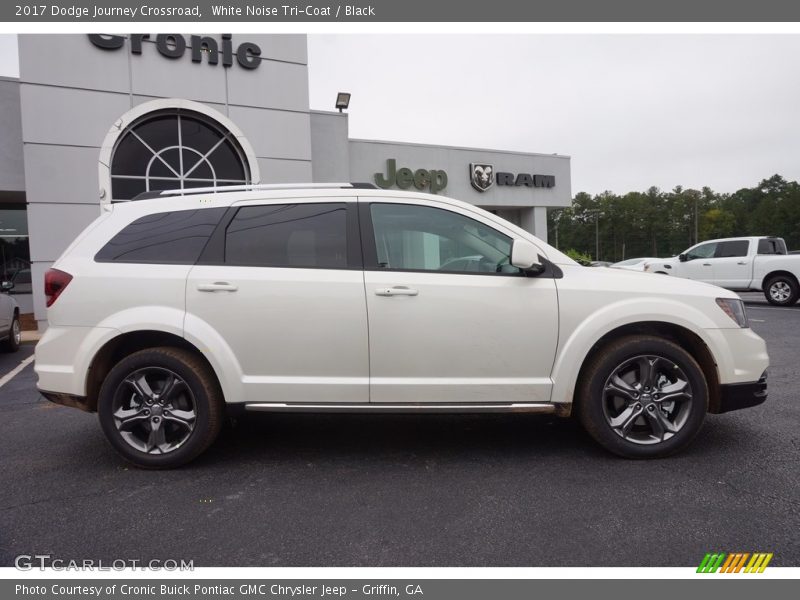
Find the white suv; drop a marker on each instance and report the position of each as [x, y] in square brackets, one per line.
[165, 311]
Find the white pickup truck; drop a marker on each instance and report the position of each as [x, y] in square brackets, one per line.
[740, 264]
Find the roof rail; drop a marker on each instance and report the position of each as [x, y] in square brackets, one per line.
[253, 188]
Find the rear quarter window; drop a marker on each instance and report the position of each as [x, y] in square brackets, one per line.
[771, 246]
[176, 237]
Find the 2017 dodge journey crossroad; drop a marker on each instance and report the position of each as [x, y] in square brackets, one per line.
[168, 310]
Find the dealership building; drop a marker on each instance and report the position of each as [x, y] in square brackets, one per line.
[95, 119]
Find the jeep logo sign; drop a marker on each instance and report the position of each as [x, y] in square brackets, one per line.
[435, 180]
[173, 45]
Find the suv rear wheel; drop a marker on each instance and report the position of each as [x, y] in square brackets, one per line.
[642, 397]
[160, 408]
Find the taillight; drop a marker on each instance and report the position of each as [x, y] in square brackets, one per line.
[55, 282]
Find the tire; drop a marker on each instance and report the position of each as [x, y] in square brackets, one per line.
[677, 410]
[12, 342]
[782, 290]
[154, 427]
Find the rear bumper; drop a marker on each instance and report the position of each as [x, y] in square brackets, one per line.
[63, 357]
[735, 396]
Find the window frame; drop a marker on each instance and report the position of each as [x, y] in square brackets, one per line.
[178, 180]
[214, 252]
[370, 251]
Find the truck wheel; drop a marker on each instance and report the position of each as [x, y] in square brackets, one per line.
[160, 408]
[642, 397]
[781, 290]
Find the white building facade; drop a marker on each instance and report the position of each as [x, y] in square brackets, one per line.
[101, 118]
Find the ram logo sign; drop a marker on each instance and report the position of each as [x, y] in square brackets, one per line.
[481, 176]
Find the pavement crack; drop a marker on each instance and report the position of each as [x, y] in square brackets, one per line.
[60, 499]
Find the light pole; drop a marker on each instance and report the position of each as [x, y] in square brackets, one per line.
[557, 219]
[596, 214]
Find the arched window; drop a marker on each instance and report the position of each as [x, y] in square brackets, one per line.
[175, 149]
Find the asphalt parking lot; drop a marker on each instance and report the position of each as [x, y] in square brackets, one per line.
[348, 490]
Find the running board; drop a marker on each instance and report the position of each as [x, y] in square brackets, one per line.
[521, 407]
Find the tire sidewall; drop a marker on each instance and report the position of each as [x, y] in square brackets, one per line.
[591, 401]
[792, 296]
[198, 439]
[11, 345]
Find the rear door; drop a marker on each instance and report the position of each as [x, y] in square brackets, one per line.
[449, 319]
[733, 266]
[280, 288]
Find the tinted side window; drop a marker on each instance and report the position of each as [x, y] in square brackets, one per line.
[702, 251]
[421, 238]
[771, 246]
[170, 237]
[289, 235]
[732, 249]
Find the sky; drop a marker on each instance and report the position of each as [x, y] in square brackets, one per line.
[631, 111]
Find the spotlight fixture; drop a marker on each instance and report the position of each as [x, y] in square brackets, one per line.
[342, 100]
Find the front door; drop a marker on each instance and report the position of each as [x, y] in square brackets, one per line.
[699, 263]
[450, 320]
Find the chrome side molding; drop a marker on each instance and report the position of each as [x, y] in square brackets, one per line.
[521, 407]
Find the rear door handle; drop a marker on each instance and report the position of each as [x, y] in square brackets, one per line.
[396, 291]
[706, 264]
[742, 262]
[217, 286]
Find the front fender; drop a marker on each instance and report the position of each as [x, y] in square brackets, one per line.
[584, 333]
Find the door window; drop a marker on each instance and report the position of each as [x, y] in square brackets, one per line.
[289, 235]
[420, 238]
[702, 251]
[732, 249]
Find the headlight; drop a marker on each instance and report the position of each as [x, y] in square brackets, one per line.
[734, 308]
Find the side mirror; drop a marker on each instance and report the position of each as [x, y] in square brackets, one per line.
[683, 257]
[6, 286]
[525, 256]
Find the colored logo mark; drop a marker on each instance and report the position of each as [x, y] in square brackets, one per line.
[735, 562]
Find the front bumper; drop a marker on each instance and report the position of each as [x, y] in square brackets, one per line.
[735, 396]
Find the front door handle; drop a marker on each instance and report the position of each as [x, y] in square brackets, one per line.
[217, 286]
[742, 262]
[396, 291]
[706, 264]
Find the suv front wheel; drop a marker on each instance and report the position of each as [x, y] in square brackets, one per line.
[160, 408]
[642, 397]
